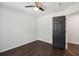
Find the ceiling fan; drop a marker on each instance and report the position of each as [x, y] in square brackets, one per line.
[37, 6]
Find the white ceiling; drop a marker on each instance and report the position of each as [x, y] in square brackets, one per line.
[50, 7]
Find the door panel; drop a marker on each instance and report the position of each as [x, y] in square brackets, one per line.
[59, 32]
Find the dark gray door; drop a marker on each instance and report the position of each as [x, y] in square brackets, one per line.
[59, 32]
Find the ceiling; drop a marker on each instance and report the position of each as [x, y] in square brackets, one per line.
[50, 7]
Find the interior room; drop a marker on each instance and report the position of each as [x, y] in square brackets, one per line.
[39, 28]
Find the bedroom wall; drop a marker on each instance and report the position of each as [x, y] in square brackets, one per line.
[16, 29]
[45, 29]
[73, 28]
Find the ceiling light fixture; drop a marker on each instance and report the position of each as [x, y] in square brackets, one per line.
[36, 8]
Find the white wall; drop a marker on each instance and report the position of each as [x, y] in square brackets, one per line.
[16, 29]
[73, 28]
[45, 29]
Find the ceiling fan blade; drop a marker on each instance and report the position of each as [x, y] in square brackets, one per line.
[41, 8]
[29, 6]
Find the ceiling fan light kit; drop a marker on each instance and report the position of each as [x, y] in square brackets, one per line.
[36, 9]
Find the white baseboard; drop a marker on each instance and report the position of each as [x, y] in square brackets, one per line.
[74, 43]
[45, 40]
[15, 46]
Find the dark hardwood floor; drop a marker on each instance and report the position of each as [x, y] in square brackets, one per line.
[73, 49]
[37, 48]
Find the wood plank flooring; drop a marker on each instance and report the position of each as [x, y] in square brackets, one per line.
[36, 48]
[73, 49]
